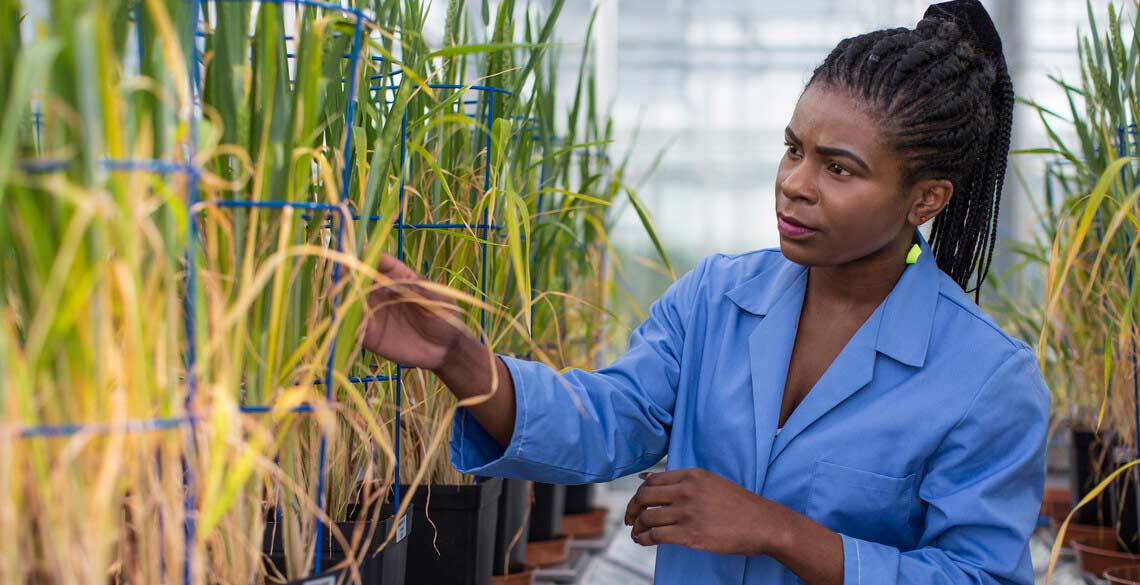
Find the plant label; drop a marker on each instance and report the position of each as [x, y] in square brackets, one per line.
[402, 529]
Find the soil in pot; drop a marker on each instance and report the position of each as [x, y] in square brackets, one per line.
[453, 537]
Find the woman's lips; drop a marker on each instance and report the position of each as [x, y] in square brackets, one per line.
[790, 228]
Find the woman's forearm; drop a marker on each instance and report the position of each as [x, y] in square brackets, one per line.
[810, 550]
[471, 370]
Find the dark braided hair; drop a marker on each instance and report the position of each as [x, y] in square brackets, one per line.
[945, 97]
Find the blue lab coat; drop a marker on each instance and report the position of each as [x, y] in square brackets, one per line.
[923, 444]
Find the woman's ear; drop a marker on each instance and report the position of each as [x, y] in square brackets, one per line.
[928, 198]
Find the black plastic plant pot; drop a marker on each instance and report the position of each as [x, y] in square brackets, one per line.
[512, 528]
[1126, 508]
[386, 567]
[546, 511]
[580, 498]
[453, 537]
[1091, 464]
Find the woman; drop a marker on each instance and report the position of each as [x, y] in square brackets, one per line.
[838, 410]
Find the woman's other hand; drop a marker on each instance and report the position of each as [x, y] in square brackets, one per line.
[699, 509]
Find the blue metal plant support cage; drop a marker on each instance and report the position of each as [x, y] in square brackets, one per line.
[192, 174]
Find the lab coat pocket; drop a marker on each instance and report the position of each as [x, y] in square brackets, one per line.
[862, 504]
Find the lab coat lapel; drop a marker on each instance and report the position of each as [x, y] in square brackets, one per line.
[851, 371]
[776, 297]
[899, 329]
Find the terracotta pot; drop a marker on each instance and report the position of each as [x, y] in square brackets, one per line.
[589, 525]
[1124, 575]
[523, 576]
[1056, 503]
[1095, 536]
[544, 553]
[1098, 560]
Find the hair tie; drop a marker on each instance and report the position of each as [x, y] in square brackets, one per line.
[975, 22]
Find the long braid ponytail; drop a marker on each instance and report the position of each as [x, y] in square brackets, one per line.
[945, 97]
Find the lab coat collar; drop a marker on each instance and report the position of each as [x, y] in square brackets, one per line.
[907, 314]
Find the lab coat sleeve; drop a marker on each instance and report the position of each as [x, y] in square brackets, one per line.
[983, 492]
[580, 426]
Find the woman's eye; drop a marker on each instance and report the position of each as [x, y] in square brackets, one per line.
[836, 169]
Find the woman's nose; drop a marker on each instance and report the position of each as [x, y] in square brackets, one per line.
[799, 182]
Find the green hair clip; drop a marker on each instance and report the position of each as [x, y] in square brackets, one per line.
[912, 256]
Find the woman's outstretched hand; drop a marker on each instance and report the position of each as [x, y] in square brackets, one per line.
[409, 323]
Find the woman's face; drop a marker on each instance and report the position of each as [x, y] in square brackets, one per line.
[838, 189]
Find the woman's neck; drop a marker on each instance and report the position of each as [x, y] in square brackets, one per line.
[862, 283]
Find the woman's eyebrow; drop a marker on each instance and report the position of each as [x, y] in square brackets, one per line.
[829, 150]
[833, 151]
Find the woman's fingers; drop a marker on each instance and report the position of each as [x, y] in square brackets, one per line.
[403, 287]
[648, 496]
[654, 517]
[391, 267]
[659, 535]
[658, 478]
[406, 284]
